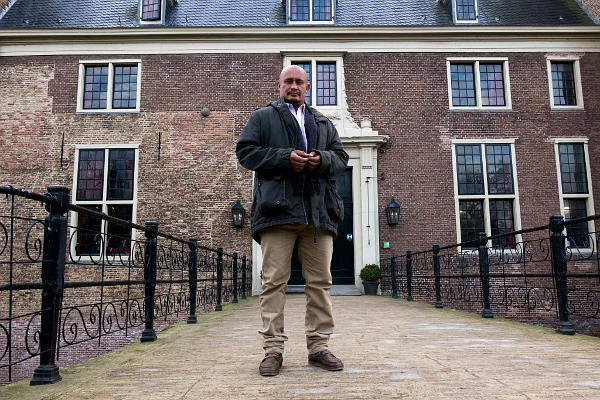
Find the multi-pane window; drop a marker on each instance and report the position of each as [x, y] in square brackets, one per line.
[323, 78]
[105, 182]
[465, 10]
[491, 78]
[322, 10]
[478, 84]
[109, 86]
[575, 191]
[151, 10]
[463, 85]
[300, 10]
[310, 10]
[564, 82]
[486, 191]
[306, 66]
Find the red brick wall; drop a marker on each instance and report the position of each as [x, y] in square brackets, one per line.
[191, 188]
[409, 102]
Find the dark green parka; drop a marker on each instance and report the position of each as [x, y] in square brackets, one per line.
[265, 146]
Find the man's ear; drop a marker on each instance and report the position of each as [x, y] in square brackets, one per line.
[308, 86]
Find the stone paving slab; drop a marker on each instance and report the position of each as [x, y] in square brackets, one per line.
[391, 349]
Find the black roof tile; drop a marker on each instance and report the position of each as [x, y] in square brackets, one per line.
[265, 13]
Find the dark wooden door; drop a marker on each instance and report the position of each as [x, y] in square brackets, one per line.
[342, 263]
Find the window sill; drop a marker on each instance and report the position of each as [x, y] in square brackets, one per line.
[311, 22]
[85, 260]
[151, 22]
[123, 111]
[567, 108]
[481, 109]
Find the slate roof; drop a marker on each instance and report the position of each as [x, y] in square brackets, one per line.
[268, 13]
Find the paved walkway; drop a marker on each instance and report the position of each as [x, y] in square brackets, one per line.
[391, 349]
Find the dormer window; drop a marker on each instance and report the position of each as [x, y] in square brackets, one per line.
[465, 11]
[151, 10]
[310, 11]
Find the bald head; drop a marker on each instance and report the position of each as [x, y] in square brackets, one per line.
[296, 68]
[293, 85]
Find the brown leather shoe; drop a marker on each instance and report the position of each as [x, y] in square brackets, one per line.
[271, 364]
[325, 360]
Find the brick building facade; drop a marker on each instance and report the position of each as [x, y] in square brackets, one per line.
[472, 115]
[394, 109]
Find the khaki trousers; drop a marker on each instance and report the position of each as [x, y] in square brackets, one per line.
[277, 244]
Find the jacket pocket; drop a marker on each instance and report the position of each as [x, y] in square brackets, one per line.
[334, 203]
[271, 196]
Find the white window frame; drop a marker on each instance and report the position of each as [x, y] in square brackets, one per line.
[588, 197]
[475, 61]
[339, 70]
[74, 217]
[154, 22]
[486, 197]
[465, 21]
[111, 65]
[577, 76]
[310, 21]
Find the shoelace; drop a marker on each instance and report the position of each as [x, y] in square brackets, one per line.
[268, 355]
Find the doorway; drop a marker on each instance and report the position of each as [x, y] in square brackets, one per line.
[342, 262]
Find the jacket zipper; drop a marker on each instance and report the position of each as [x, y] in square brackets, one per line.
[304, 209]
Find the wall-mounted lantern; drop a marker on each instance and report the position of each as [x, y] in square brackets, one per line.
[238, 214]
[392, 212]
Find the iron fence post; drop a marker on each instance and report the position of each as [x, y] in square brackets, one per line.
[559, 269]
[393, 272]
[484, 275]
[235, 278]
[243, 276]
[150, 250]
[193, 279]
[53, 277]
[219, 306]
[409, 272]
[437, 274]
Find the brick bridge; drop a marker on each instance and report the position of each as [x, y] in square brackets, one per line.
[391, 349]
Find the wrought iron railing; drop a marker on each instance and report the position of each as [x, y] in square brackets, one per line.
[539, 275]
[63, 285]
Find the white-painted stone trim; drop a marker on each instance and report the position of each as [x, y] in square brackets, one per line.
[22, 42]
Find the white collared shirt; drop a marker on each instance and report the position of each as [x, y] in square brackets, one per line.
[299, 115]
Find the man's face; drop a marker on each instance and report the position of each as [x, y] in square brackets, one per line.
[293, 85]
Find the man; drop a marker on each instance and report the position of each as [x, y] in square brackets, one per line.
[295, 151]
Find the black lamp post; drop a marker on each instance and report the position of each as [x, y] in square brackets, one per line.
[238, 214]
[392, 212]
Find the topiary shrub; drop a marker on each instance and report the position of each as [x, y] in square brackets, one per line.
[370, 273]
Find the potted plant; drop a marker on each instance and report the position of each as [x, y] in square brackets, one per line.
[370, 275]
